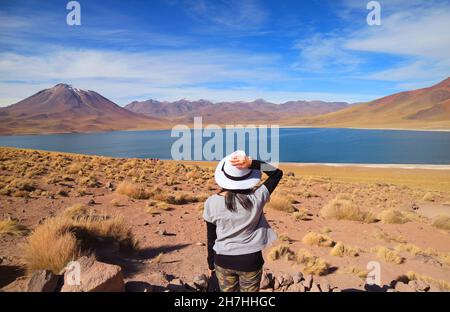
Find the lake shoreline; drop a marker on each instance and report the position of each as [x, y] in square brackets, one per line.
[223, 126]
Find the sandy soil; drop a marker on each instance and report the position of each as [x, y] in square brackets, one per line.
[421, 194]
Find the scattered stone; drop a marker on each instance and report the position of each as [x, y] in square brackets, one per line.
[200, 244]
[290, 174]
[42, 281]
[402, 287]
[414, 206]
[110, 185]
[266, 280]
[95, 276]
[63, 193]
[325, 286]
[315, 288]
[201, 282]
[146, 224]
[91, 202]
[286, 280]
[298, 277]
[419, 285]
[307, 282]
[162, 232]
[296, 288]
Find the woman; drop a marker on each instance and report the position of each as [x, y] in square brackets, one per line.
[237, 230]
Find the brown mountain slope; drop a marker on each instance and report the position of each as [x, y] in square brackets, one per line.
[233, 112]
[63, 109]
[427, 108]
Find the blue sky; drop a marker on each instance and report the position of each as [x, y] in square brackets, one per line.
[223, 50]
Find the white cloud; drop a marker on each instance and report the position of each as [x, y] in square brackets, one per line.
[233, 14]
[414, 31]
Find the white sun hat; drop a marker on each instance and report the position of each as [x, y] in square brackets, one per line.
[230, 177]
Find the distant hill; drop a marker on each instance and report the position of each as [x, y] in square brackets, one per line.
[233, 112]
[63, 109]
[427, 108]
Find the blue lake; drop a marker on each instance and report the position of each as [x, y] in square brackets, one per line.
[311, 145]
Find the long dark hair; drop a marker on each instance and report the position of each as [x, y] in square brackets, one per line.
[231, 197]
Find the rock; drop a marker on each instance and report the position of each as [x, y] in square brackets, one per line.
[276, 284]
[296, 288]
[162, 232]
[325, 286]
[315, 288]
[290, 174]
[109, 185]
[307, 282]
[414, 206]
[201, 282]
[95, 276]
[91, 202]
[419, 285]
[285, 280]
[42, 281]
[266, 280]
[298, 277]
[434, 289]
[402, 287]
[200, 244]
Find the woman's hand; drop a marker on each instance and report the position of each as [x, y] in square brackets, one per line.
[241, 162]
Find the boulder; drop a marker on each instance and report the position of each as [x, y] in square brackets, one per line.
[298, 277]
[285, 279]
[42, 281]
[402, 287]
[315, 288]
[296, 288]
[95, 276]
[201, 282]
[266, 280]
[307, 282]
[419, 285]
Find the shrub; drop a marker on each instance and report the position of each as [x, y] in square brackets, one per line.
[281, 251]
[340, 250]
[344, 209]
[75, 211]
[442, 222]
[301, 214]
[281, 203]
[11, 227]
[60, 240]
[312, 264]
[388, 255]
[132, 190]
[391, 216]
[315, 239]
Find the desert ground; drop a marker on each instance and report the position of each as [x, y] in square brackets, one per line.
[146, 216]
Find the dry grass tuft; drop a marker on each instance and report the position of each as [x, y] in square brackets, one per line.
[388, 255]
[132, 190]
[358, 272]
[76, 211]
[281, 203]
[442, 222]
[341, 208]
[315, 239]
[326, 230]
[281, 251]
[11, 227]
[341, 250]
[301, 215]
[61, 239]
[312, 264]
[392, 216]
[380, 235]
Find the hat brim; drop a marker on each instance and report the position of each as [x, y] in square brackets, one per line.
[229, 184]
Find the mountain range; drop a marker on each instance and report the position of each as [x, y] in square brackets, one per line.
[65, 109]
